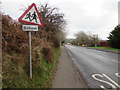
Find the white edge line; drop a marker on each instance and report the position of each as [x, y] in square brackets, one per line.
[115, 61]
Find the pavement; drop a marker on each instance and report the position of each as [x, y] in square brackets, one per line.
[98, 68]
[66, 74]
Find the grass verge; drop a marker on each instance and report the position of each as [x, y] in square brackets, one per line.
[107, 48]
[42, 75]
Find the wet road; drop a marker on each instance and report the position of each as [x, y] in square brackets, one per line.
[99, 68]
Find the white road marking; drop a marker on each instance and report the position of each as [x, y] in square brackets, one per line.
[103, 75]
[117, 74]
[115, 61]
[102, 57]
[71, 56]
[102, 87]
[69, 53]
[94, 76]
[111, 80]
[107, 58]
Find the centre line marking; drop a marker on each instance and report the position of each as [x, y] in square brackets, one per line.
[115, 61]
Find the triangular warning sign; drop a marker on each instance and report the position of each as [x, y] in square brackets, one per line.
[31, 16]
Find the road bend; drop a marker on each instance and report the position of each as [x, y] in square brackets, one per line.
[98, 68]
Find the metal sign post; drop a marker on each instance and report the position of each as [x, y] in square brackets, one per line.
[30, 53]
[30, 28]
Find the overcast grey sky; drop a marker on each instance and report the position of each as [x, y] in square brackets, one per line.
[95, 16]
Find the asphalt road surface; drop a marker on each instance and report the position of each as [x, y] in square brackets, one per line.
[98, 68]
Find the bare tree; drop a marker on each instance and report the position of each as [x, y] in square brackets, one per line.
[54, 23]
[85, 39]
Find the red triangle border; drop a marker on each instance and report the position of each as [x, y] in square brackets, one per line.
[20, 19]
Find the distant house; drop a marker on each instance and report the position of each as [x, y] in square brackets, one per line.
[103, 43]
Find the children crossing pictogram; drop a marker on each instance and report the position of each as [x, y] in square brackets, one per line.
[31, 16]
[34, 16]
[28, 16]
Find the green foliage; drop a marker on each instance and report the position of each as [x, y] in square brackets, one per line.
[107, 48]
[42, 75]
[114, 37]
[16, 59]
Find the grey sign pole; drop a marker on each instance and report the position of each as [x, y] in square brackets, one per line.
[30, 28]
[30, 54]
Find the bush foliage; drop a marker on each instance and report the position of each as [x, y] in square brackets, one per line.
[114, 37]
[15, 43]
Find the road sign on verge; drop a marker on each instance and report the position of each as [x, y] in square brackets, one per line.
[30, 27]
[31, 16]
